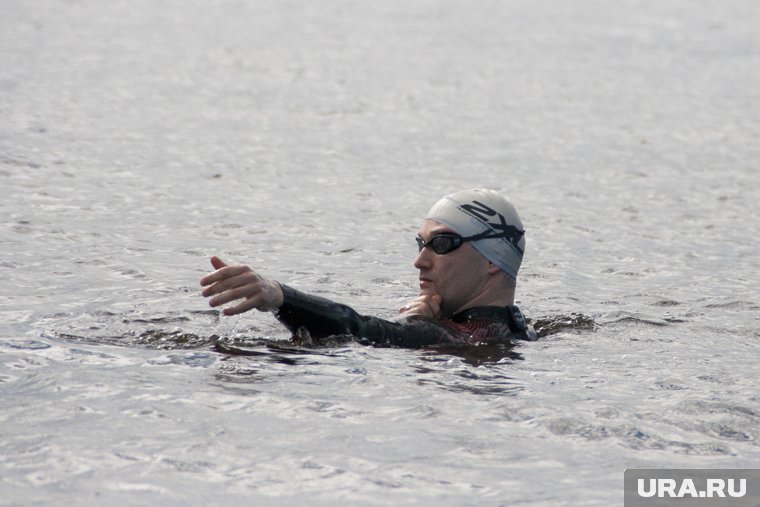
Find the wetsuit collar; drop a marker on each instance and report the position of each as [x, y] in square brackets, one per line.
[510, 314]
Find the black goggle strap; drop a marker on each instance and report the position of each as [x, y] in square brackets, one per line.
[453, 240]
[511, 233]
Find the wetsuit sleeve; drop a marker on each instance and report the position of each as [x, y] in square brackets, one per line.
[322, 317]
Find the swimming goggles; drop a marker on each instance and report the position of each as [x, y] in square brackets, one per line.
[446, 242]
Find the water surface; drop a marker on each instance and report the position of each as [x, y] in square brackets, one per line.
[309, 139]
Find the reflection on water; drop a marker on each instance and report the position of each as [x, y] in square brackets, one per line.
[477, 355]
[281, 352]
[481, 381]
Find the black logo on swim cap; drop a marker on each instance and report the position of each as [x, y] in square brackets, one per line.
[485, 214]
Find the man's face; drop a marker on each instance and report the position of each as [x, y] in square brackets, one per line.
[458, 276]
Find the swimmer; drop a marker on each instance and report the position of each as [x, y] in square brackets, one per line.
[471, 245]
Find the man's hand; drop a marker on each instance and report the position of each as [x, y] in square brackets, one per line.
[229, 283]
[426, 306]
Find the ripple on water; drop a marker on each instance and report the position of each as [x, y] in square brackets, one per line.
[636, 436]
[25, 344]
[194, 359]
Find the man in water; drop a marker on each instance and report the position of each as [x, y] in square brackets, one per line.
[471, 245]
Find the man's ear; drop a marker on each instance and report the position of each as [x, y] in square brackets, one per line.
[493, 268]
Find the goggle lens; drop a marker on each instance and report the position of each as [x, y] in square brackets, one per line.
[442, 243]
[446, 242]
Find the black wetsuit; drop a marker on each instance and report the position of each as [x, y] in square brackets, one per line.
[324, 318]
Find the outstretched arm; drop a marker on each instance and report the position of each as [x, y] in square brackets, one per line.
[232, 282]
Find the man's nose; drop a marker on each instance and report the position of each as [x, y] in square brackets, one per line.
[423, 259]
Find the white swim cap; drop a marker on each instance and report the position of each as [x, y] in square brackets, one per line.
[477, 211]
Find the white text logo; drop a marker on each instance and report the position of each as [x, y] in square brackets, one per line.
[716, 488]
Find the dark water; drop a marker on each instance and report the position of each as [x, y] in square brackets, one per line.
[308, 139]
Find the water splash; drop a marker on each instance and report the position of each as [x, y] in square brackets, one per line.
[575, 322]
